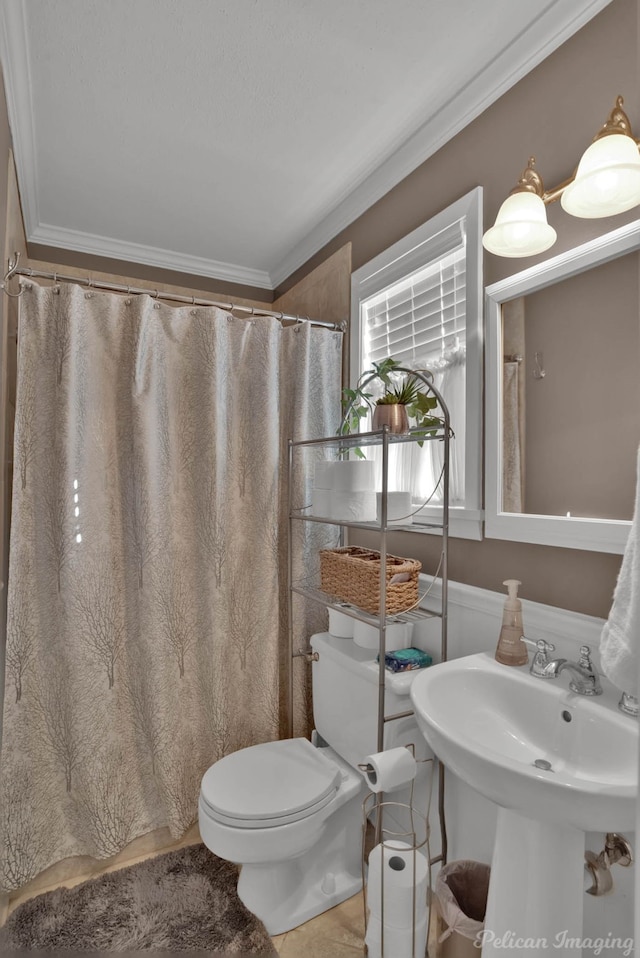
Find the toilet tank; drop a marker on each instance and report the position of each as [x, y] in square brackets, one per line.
[345, 701]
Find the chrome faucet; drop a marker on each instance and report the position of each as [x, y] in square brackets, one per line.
[585, 679]
[629, 704]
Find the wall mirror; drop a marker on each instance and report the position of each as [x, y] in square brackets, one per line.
[563, 397]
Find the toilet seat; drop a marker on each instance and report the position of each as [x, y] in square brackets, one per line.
[269, 784]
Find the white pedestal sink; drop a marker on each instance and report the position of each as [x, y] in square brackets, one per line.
[490, 724]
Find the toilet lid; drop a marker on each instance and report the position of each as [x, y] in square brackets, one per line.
[269, 784]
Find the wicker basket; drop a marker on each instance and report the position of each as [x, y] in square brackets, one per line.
[353, 575]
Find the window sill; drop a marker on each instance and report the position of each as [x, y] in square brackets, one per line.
[463, 523]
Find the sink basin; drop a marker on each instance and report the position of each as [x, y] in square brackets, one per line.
[491, 723]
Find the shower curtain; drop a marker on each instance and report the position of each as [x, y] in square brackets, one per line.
[146, 629]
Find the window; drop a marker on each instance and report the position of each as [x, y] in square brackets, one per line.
[420, 301]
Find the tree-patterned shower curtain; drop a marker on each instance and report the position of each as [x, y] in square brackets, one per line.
[147, 584]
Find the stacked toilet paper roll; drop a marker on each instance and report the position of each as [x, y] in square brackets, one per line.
[397, 900]
[387, 771]
[398, 942]
[343, 490]
[340, 624]
[398, 508]
[397, 636]
[322, 486]
[353, 498]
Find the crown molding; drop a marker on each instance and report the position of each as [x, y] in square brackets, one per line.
[555, 24]
[16, 69]
[552, 27]
[149, 255]
[14, 56]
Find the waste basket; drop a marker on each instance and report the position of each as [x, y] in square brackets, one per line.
[461, 902]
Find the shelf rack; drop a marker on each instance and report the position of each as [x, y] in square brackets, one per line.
[384, 439]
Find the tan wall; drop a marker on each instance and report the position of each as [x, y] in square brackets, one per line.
[583, 418]
[324, 294]
[147, 277]
[133, 278]
[552, 113]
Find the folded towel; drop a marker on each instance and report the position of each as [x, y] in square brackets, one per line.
[620, 639]
[405, 660]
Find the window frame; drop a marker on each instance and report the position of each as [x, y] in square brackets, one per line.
[392, 265]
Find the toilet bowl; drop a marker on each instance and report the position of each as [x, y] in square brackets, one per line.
[290, 814]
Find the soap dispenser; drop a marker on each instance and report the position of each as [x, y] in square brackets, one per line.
[511, 649]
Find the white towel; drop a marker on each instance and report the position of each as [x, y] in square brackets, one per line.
[620, 639]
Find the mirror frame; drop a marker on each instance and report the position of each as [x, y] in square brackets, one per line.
[599, 535]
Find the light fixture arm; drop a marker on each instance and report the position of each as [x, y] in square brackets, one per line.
[618, 122]
[605, 182]
[531, 182]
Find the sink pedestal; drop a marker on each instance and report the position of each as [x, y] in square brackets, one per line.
[536, 888]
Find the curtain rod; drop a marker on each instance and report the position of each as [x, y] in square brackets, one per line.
[155, 294]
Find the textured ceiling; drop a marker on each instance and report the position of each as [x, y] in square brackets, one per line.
[232, 138]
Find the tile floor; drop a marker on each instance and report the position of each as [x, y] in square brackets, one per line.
[338, 933]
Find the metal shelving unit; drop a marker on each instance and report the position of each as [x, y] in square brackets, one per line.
[384, 439]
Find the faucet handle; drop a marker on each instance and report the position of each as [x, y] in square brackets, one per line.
[545, 647]
[541, 656]
[539, 645]
[629, 704]
[585, 658]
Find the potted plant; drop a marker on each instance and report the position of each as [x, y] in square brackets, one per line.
[404, 398]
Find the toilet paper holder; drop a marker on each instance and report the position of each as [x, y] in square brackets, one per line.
[367, 768]
[401, 832]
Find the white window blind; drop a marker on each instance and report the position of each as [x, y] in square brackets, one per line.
[423, 315]
[420, 301]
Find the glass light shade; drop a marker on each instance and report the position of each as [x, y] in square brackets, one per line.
[607, 179]
[521, 227]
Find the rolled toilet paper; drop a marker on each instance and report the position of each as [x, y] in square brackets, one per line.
[398, 942]
[353, 506]
[323, 474]
[320, 502]
[340, 625]
[389, 770]
[398, 635]
[398, 507]
[395, 870]
[353, 475]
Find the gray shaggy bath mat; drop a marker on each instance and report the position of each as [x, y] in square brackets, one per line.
[182, 901]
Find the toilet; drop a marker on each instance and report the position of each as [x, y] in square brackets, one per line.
[290, 812]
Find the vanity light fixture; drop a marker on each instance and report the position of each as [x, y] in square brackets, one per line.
[606, 182]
